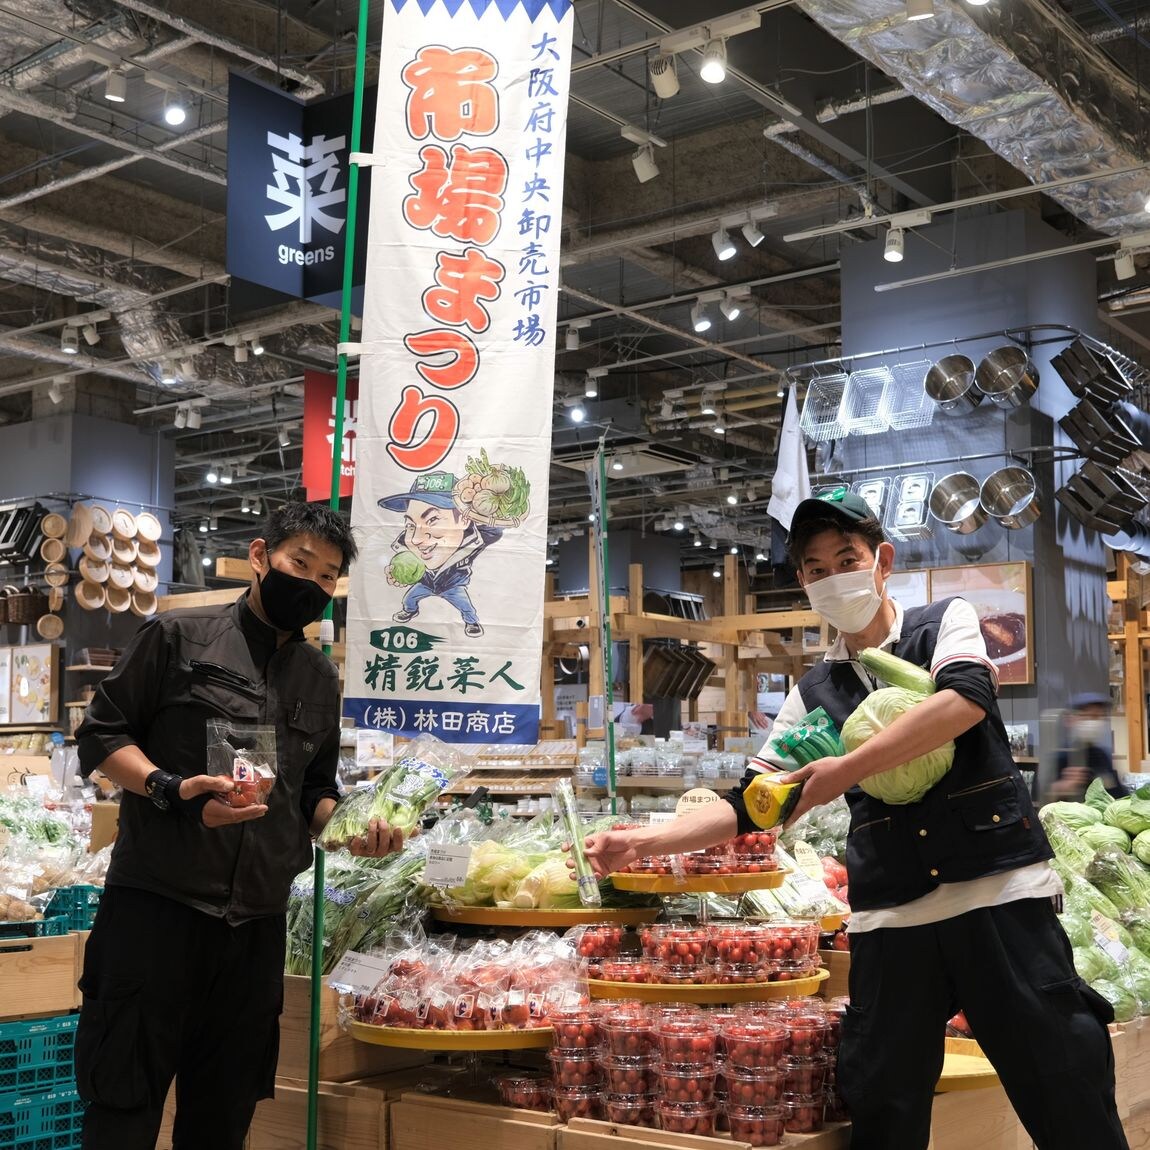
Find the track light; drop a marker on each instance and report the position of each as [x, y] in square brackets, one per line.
[919, 9]
[591, 386]
[204, 529]
[723, 244]
[577, 414]
[167, 372]
[214, 523]
[697, 542]
[731, 308]
[717, 574]
[256, 507]
[752, 495]
[752, 234]
[206, 561]
[180, 419]
[91, 335]
[56, 392]
[257, 345]
[734, 551]
[714, 69]
[283, 437]
[175, 113]
[245, 506]
[760, 557]
[226, 476]
[571, 339]
[780, 394]
[679, 525]
[707, 404]
[732, 498]
[616, 464]
[720, 428]
[212, 475]
[1124, 266]
[643, 161]
[69, 340]
[700, 321]
[892, 251]
[240, 353]
[116, 87]
[664, 76]
[978, 3]
[195, 418]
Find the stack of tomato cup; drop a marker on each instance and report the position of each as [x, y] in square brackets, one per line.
[755, 1041]
[754, 852]
[598, 943]
[835, 1110]
[575, 1055]
[687, 1042]
[681, 954]
[629, 1061]
[805, 1067]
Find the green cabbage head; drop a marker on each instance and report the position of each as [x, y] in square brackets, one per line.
[1125, 813]
[910, 781]
[1103, 835]
[1074, 815]
[1140, 848]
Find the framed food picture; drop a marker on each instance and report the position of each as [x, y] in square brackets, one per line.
[32, 685]
[1000, 595]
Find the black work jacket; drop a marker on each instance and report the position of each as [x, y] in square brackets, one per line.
[182, 669]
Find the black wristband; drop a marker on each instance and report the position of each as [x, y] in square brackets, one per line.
[190, 808]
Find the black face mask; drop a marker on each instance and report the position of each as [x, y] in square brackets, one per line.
[289, 602]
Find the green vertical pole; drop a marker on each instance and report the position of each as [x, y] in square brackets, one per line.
[604, 592]
[336, 476]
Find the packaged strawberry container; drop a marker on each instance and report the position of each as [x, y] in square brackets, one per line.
[754, 1087]
[688, 1117]
[754, 1042]
[687, 1083]
[681, 945]
[524, 1091]
[757, 1125]
[673, 974]
[628, 1031]
[572, 1068]
[632, 1109]
[803, 1113]
[577, 1102]
[806, 1033]
[686, 1040]
[630, 1074]
[576, 1027]
[804, 1075]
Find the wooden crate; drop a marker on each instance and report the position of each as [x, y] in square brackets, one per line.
[1137, 1127]
[838, 962]
[429, 1122]
[586, 1134]
[39, 976]
[1132, 1066]
[342, 1058]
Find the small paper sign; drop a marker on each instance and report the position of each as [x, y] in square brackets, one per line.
[1106, 938]
[695, 799]
[359, 973]
[662, 817]
[447, 865]
[807, 858]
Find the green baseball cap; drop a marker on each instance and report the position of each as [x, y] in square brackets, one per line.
[841, 501]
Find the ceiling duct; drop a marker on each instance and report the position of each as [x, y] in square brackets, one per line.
[1021, 78]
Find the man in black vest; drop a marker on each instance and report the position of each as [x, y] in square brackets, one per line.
[951, 896]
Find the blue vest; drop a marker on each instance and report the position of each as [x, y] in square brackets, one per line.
[978, 820]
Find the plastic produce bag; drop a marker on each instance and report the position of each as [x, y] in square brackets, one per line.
[813, 737]
[247, 756]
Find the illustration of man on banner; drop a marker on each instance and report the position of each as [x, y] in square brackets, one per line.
[448, 522]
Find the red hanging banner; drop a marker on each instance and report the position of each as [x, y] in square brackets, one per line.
[319, 430]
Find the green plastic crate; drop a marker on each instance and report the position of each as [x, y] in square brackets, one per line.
[45, 928]
[77, 904]
[51, 1120]
[36, 1056]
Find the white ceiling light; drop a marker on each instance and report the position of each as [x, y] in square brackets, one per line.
[666, 409]
[717, 573]
[700, 321]
[643, 161]
[240, 352]
[195, 419]
[664, 76]
[978, 3]
[780, 394]
[227, 475]
[723, 244]
[206, 560]
[732, 498]
[591, 386]
[245, 506]
[707, 404]
[214, 523]
[714, 69]
[679, 525]
[204, 531]
[116, 87]
[91, 335]
[730, 307]
[577, 413]
[167, 372]
[734, 551]
[212, 475]
[893, 249]
[257, 345]
[616, 464]
[760, 557]
[283, 438]
[1124, 266]
[698, 542]
[919, 9]
[180, 419]
[752, 495]
[752, 234]
[571, 339]
[175, 113]
[56, 391]
[720, 427]
[256, 507]
[69, 340]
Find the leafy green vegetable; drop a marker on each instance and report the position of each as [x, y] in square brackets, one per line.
[1123, 813]
[1079, 929]
[1083, 896]
[1140, 848]
[1123, 1000]
[1104, 835]
[406, 569]
[813, 737]
[1097, 796]
[1074, 815]
[1069, 848]
[1122, 879]
[896, 672]
[1137, 924]
[504, 491]
[908, 782]
[1093, 963]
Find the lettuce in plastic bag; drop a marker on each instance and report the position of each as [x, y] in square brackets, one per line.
[1074, 815]
[1093, 964]
[1069, 848]
[1124, 1001]
[1122, 879]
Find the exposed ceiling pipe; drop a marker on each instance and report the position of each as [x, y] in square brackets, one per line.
[48, 350]
[833, 109]
[858, 187]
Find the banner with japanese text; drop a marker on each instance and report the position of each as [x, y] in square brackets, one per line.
[445, 611]
[319, 435]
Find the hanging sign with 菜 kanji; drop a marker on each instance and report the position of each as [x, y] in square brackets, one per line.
[445, 613]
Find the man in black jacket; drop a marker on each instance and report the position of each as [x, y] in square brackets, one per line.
[951, 895]
[183, 971]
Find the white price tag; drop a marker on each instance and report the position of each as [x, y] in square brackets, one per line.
[662, 817]
[447, 865]
[357, 972]
[807, 858]
[1107, 940]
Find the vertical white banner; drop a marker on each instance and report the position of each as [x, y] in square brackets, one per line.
[445, 614]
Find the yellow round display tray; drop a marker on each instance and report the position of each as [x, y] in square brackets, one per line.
[828, 924]
[495, 916]
[698, 883]
[450, 1039]
[708, 995]
[965, 1067]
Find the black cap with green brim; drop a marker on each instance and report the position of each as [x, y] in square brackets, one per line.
[841, 503]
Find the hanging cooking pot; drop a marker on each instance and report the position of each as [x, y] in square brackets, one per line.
[1010, 495]
[1007, 377]
[954, 503]
[951, 384]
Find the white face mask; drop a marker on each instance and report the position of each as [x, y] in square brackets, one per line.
[1092, 732]
[849, 602]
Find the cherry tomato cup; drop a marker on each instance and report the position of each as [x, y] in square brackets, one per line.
[760, 843]
[628, 1033]
[806, 1034]
[835, 1009]
[684, 1040]
[573, 1068]
[632, 1109]
[744, 944]
[754, 1042]
[687, 1083]
[758, 1125]
[754, 1087]
[630, 1074]
[803, 1113]
[524, 1091]
[674, 974]
[688, 1117]
[578, 1102]
[652, 865]
[600, 942]
[636, 970]
[681, 945]
[741, 973]
[576, 1028]
[804, 1075]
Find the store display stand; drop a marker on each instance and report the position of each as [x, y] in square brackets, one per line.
[531, 919]
[466, 1041]
[709, 994]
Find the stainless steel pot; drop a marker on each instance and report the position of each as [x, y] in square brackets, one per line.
[954, 503]
[951, 384]
[1007, 377]
[1010, 495]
